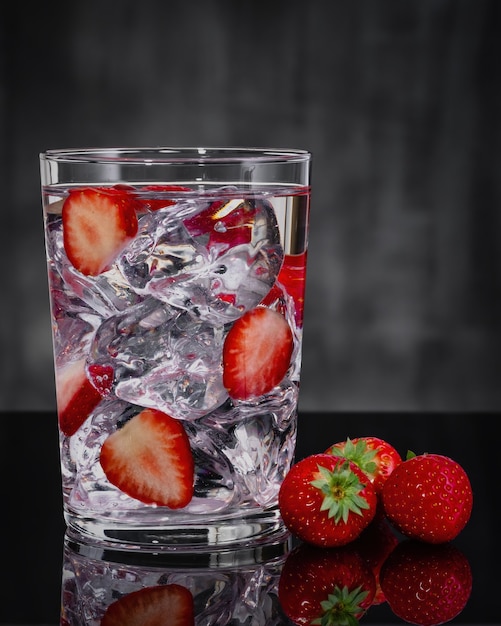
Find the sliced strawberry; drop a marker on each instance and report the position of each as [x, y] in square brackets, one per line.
[101, 376]
[150, 460]
[163, 604]
[256, 353]
[290, 280]
[292, 276]
[154, 204]
[97, 225]
[76, 396]
[228, 222]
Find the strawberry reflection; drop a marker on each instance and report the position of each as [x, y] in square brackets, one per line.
[151, 605]
[126, 589]
[420, 583]
[326, 585]
[426, 584]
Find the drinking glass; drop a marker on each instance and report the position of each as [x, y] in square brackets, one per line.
[176, 280]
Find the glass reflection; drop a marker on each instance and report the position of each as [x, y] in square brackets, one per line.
[110, 587]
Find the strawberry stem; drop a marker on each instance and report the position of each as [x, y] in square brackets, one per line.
[342, 608]
[341, 489]
[359, 453]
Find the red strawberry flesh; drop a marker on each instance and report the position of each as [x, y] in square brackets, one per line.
[76, 396]
[227, 222]
[256, 353]
[156, 203]
[97, 225]
[292, 276]
[150, 459]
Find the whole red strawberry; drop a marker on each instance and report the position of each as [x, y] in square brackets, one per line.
[426, 584]
[326, 500]
[375, 456]
[325, 586]
[428, 497]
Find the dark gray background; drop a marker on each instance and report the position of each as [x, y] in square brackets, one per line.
[399, 101]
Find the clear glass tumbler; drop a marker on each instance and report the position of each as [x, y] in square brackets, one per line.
[176, 279]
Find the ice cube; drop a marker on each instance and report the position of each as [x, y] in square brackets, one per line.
[258, 439]
[162, 359]
[73, 322]
[218, 263]
[215, 488]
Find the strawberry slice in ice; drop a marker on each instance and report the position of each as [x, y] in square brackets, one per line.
[292, 276]
[77, 397]
[97, 225]
[291, 279]
[228, 222]
[150, 459]
[256, 353]
[154, 204]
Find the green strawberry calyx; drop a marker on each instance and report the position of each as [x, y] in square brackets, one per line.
[341, 489]
[342, 608]
[360, 454]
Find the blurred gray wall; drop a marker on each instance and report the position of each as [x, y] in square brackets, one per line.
[399, 101]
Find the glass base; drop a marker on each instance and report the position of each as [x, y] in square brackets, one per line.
[220, 533]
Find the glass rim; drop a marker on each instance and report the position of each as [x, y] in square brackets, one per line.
[176, 155]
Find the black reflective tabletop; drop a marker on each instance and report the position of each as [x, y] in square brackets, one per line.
[40, 568]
